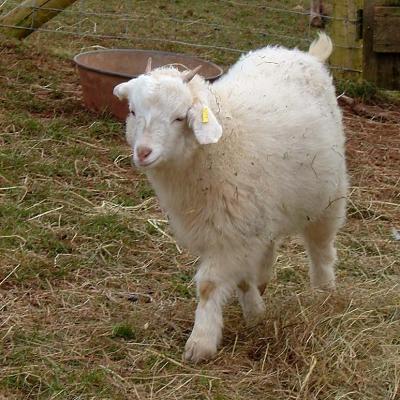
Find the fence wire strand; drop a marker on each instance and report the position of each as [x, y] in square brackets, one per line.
[282, 10]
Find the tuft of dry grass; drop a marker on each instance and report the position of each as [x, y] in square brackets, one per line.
[97, 300]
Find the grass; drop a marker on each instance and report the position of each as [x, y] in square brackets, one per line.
[123, 331]
[97, 300]
[365, 91]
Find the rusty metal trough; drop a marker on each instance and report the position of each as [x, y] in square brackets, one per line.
[100, 71]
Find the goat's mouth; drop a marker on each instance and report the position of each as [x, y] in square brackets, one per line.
[147, 163]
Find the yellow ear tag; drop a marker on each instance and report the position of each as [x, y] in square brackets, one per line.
[204, 115]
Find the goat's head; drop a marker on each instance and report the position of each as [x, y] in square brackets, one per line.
[169, 115]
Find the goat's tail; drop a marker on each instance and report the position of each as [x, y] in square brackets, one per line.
[321, 48]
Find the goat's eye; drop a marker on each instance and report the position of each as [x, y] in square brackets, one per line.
[133, 113]
[180, 119]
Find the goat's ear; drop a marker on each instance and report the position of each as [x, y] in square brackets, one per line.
[121, 91]
[204, 124]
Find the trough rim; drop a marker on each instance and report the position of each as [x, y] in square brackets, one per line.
[130, 76]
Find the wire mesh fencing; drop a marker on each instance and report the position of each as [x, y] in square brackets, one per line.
[215, 29]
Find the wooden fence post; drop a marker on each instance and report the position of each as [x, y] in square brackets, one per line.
[381, 33]
[345, 30]
[30, 15]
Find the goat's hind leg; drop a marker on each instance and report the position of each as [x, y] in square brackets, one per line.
[319, 239]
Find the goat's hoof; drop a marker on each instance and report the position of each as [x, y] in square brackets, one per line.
[324, 286]
[253, 312]
[255, 316]
[199, 348]
[254, 319]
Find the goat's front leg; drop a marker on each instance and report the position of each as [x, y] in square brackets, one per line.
[212, 292]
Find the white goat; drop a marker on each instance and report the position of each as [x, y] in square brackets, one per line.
[238, 165]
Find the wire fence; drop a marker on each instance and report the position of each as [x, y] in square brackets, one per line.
[215, 29]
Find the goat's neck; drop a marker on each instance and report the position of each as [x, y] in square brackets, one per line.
[179, 187]
[199, 174]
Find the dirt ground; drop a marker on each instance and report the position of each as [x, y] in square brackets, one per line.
[96, 299]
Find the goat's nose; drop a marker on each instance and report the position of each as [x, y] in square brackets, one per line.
[143, 152]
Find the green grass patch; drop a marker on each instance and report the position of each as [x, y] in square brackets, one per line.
[364, 91]
[123, 331]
